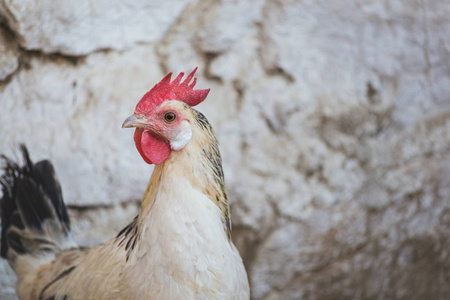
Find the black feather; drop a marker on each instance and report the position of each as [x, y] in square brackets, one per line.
[15, 242]
[31, 195]
[31, 203]
[16, 221]
[130, 235]
[8, 206]
[44, 175]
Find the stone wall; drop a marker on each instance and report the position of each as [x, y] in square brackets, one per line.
[333, 119]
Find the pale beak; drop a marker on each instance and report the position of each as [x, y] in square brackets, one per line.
[135, 121]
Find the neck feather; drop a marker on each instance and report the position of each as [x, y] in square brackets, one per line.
[200, 163]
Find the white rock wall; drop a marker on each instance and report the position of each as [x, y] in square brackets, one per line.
[333, 119]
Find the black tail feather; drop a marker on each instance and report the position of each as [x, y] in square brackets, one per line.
[44, 175]
[8, 206]
[14, 241]
[31, 195]
[31, 203]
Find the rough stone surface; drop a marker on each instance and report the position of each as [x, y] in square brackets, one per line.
[333, 119]
[81, 27]
[9, 55]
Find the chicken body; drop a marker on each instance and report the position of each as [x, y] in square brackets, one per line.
[178, 247]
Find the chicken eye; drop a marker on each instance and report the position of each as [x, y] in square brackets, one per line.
[170, 117]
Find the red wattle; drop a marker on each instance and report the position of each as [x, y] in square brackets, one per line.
[153, 149]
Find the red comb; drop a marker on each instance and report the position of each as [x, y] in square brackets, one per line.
[175, 90]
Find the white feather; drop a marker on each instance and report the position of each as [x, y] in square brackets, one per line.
[183, 137]
[185, 252]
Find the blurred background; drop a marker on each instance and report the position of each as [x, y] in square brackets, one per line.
[333, 119]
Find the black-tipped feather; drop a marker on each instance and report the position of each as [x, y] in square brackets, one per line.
[32, 207]
[31, 196]
[8, 206]
[44, 175]
[14, 241]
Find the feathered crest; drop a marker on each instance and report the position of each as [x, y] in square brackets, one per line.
[175, 90]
